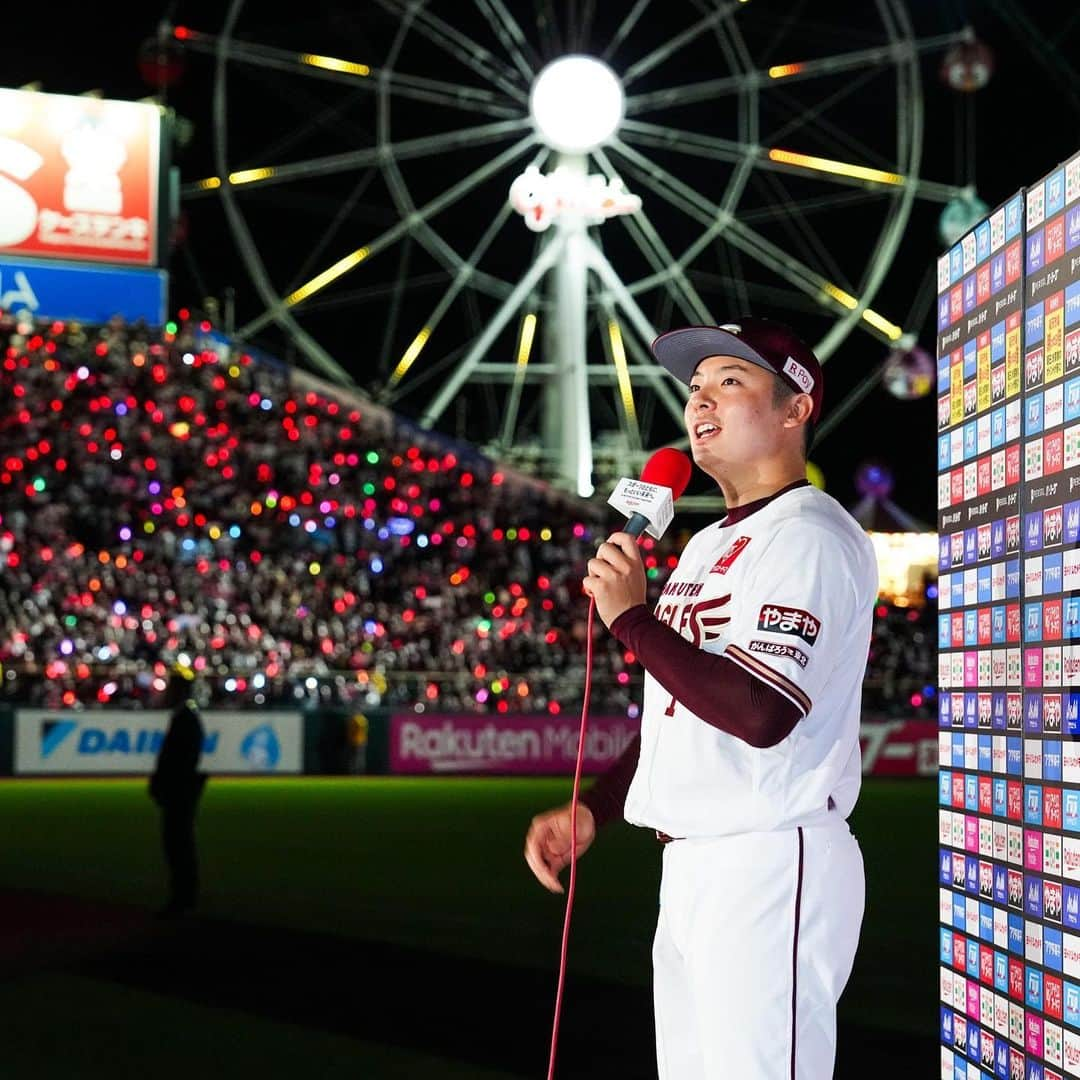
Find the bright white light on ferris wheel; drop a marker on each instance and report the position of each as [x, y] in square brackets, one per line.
[576, 104]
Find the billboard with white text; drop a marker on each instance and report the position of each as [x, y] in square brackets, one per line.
[79, 178]
[65, 742]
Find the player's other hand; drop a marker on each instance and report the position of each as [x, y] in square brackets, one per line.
[616, 578]
[547, 843]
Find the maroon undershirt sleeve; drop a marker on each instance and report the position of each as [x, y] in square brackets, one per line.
[607, 797]
[720, 692]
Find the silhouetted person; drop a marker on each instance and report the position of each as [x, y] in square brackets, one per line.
[175, 786]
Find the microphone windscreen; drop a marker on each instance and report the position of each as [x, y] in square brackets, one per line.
[668, 468]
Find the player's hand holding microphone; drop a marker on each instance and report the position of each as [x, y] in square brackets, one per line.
[616, 578]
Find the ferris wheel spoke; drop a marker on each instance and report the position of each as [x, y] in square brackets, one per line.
[460, 46]
[425, 146]
[740, 236]
[674, 44]
[547, 26]
[669, 187]
[659, 378]
[831, 135]
[656, 253]
[588, 15]
[434, 242]
[408, 225]
[690, 93]
[836, 201]
[687, 142]
[512, 39]
[808, 281]
[877, 56]
[451, 94]
[782, 263]
[460, 279]
[329, 234]
[312, 114]
[784, 22]
[625, 27]
[763, 157]
[812, 112]
[311, 65]
[802, 233]
[507, 310]
[778, 297]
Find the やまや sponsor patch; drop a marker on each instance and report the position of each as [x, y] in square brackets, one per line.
[779, 648]
[789, 620]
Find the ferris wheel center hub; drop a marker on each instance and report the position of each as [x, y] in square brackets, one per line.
[576, 103]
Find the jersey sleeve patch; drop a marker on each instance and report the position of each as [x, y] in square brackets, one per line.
[758, 668]
[781, 619]
[781, 649]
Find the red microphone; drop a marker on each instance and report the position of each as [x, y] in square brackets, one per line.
[649, 502]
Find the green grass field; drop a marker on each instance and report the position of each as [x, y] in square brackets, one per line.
[370, 870]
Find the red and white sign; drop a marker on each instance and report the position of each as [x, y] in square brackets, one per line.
[476, 745]
[79, 177]
[899, 747]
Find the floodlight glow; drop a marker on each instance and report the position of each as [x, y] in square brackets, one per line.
[576, 104]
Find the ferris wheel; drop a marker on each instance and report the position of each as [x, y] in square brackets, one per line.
[495, 206]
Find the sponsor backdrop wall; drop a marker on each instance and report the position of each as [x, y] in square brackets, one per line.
[1009, 639]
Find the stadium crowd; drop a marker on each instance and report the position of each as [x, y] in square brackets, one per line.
[164, 497]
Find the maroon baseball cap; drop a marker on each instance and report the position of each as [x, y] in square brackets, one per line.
[770, 345]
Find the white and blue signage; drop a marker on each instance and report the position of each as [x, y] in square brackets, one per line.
[112, 741]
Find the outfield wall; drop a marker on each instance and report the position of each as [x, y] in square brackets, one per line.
[40, 742]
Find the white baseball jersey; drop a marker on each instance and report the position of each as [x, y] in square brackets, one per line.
[787, 593]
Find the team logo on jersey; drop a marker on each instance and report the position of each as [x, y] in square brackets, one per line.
[779, 648]
[789, 620]
[707, 621]
[735, 549]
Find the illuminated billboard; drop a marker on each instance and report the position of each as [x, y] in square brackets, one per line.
[79, 178]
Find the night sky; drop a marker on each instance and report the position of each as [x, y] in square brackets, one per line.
[1026, 121]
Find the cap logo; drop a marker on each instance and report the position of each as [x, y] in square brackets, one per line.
[794, 370]
[730, 327]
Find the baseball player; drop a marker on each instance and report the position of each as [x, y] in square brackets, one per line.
[748, 761]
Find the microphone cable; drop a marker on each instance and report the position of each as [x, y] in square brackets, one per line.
[573, 839]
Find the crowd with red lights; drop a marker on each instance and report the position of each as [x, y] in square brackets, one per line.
[901, 671]
[164, 498]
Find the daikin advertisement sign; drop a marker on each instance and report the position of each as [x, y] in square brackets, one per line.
[66, 743]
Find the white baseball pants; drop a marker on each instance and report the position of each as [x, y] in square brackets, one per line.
[755, 942]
